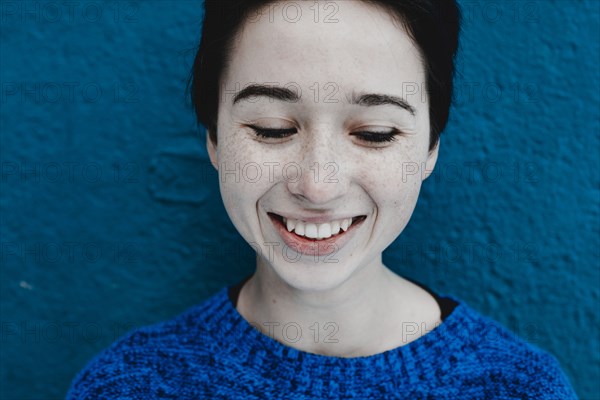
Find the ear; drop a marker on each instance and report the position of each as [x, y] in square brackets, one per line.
[431, 160]
[212, 150]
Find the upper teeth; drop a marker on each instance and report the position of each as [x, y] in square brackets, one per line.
[317, 231]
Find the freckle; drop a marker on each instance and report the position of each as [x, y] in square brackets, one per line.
[274, 301]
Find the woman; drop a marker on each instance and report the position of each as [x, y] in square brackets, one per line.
[323, 120]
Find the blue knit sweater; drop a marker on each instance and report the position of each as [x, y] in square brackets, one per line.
[211, 351]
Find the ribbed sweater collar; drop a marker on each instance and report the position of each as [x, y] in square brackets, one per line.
[222, 325]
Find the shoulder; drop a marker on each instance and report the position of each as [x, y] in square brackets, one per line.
[152, 361]
[501, 362]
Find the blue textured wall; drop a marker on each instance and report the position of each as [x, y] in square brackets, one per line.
[111, 215]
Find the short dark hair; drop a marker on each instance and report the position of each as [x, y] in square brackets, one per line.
[433, 25]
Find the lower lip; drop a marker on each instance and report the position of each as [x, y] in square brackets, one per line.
[313, 247]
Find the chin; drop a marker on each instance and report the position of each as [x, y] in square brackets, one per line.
[312, 276]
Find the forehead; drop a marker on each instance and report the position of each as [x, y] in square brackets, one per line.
[355, 45]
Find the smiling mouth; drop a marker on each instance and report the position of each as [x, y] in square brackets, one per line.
[280, 218]
[354, 223]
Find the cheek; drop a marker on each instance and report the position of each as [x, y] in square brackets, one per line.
[398, 204]
[399, 191]
[236, 172]
[240, 187]
[245, 175]
[394, 184]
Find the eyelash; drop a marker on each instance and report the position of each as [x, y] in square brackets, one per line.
[272, 133]
[366, 136]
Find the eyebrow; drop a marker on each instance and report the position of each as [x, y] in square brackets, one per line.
[372, 99]
[287, 95]
[273, 92]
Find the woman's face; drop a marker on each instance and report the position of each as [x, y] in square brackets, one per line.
[327, 78]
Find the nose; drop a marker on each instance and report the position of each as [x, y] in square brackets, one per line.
[320, 176]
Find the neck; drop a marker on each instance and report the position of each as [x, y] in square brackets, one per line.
[356, 318]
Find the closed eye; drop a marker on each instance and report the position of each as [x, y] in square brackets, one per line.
[377, 137]
[272, 133]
